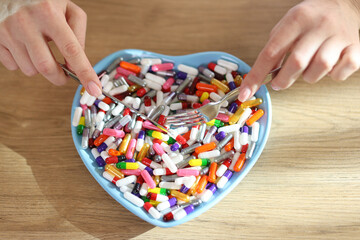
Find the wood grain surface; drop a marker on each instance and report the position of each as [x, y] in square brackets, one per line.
[306, 184]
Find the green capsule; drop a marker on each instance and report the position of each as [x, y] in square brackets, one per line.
[171, 141]
[81, 126]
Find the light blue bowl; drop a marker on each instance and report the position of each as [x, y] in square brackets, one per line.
[192, 60]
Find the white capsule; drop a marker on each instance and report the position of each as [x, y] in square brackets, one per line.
[99, 117]
[209, 154]
[181, 130]
[139, 144]
[176, 106]
[95, 153]
[127, 188]
[169, 163]
[103, 106]
[255, 131]
[244, 138]
[136, 103]
[133, 199]
[227, 64]
[193, 133]
[111, 146]
[138, 126]
[154, 213]
[150, 61]
[152, 85]
[84, 98]
[108, 86]
[125, 181]
[144, 69]
[118, 90]
[221, 170]
[220, 70]
[128, 100]
[189, 181]
[100, 126]
[180, 214]
[189, 70]
[192, 98]
[91, 101]
[77, 115]
[104, 155]
[230, 128]
[159, 98]
[101, 97]
[159, 172]
[237, 144]
[107, 175]
[163, 205]
[244, 116]
[229, 77]
[222, 181]
[109, 140]
[104, 80]
[233, 161]
[144, 189]
[206, 195]
[173, 88]
[117, 110]
[177, 158]
[169, 185]
[155, 78]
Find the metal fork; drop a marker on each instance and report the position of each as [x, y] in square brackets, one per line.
[117, 101]
[209, 111]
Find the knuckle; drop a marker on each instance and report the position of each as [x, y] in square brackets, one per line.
[71, 49]
[352, 61]
[324, 63]
[270, 52]
[299, 13]
[45, 67]
[298, 62]
[30, 72]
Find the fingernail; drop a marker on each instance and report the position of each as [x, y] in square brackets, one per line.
[244, 94]
[276, 88]
[94, 89]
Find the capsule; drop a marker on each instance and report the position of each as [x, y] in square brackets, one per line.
[199, 162]
[256, 116]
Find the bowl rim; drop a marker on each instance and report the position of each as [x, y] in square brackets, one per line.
[117, 195]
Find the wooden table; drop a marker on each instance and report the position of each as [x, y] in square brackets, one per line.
[306, 183]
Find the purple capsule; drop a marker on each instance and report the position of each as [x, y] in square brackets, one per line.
[141, 134]
[228, 174]
[175, 147]
[233, 107]
[102, 147]
[172, 201]
[244, 129]
[184, 189]
[220, 136]
[189, 209]
[232, 85]
[149, 170]
[181, 75]
[100, 161]
[130, 160]
[212, 188]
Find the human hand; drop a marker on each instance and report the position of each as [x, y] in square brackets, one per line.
[319, 36]
[25, 36]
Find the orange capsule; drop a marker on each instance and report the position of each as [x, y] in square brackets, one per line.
[256, 116]
[113, 152]
[206, 87]
[107, 100]
[230, 145]
[212, 172]
[205, 148]
[202, 184]
[187, 135]
[199, 93]
[194, 186]
[131, 67]
[100, 139]
[240, 162]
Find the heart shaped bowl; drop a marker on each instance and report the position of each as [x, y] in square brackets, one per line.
[194, 60]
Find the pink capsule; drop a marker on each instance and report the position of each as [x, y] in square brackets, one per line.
[148, 125]
[222, 117]
[129, 172]
[158, 149]
[187, 172]
[206, 101]
[84, 107]
[124, 72]
[114, 132]
[131, 149]
[148, 179]
[167, 85]
[162, 67]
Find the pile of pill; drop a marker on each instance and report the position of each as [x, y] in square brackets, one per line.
[167, 177]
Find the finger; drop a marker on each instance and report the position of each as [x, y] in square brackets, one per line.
[324, 60]
[348, 64]
[72, 51]
[302, 53]
[271, 55]
[7, 59]
[76, 19]
[22, 58]
[43, 59]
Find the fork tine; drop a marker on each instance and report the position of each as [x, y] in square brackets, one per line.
[185, 119]
[182, 114]
[185, 125]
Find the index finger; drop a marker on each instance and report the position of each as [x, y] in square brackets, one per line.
[75, 57]
[269, 58]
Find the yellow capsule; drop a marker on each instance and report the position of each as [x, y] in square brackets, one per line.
[204, 96]
[236, 116]
[156, 179]
[211, 123]
[192, 190]
[180, 196]
[112, 169]
[238, 80]
[154, 203]
[252, 103]
[134, 88]
[82, 91]
[158, 135]
[220, 85]
[124, 144]
[82, 121]
[143, 152]
[199, 162]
